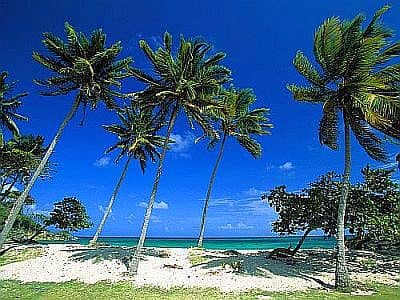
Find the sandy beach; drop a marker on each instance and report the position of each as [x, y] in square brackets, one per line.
[172, 267]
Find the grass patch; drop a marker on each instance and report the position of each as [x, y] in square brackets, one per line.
[197, 257]
[16, 255]
[125, 290]
[369, 262]
[379, 291]
[102, 290]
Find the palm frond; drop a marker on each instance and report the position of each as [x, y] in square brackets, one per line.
[304, 66]
[136, 134]
[189, 78]
[8, 107]
[357, 77]
[83, 65]
[367, 139]
[328, 126]
[251, 145]
[308, 94]
[327, 45]
[374, 28]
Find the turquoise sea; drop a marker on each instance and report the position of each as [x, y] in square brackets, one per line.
[219, 243]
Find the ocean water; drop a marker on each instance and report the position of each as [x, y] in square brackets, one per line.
[218, 243]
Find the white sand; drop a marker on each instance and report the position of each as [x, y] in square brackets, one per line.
[313, 269]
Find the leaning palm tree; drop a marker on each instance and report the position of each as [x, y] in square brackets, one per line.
[236, 120]
[184, 81]
[81, 65]
[358, 81]
[137, 139]
[8, 108]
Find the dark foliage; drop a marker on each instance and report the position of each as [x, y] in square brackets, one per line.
[69, 214]
[373, 214]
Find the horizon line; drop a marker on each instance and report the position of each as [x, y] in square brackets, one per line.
[239, 237]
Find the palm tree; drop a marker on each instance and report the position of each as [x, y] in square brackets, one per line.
[137, 140]
[357, 81]
[237, 120]
[187, 81]
[84, 66]
[8, 108]
[19, 158]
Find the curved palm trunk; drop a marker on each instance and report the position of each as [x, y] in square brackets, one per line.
[21, 199]
[208, 195]
[93, 241]
[134, 262]
[301, 241]
[342, 280]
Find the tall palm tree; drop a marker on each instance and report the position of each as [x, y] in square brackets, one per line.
[358, 81]
[237, 120]
[186, 80]
[81, 65]
[8, 108]
[137, 139]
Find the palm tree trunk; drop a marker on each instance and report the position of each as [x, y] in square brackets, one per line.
[134, 262]
[342, 281]
[21, 199]
[110, 204]
[208, 195]
[1, 139]
[301, 241]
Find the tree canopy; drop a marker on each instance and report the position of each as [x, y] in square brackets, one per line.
[69, 214]
[358, 75]
[373, 208]
[82, 64]
[137, 135]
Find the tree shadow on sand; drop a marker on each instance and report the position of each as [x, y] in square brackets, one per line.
[104, 253]
[307, 264]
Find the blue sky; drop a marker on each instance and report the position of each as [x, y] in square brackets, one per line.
[260, 39]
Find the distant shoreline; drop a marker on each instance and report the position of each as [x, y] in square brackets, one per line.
[245, 243]
[210, 238]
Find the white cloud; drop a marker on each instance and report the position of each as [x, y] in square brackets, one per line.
[269, 167]
[93, 186]
[157, 41]
[287, 166]
[185, 155]
[161, 205]
[257, 207]
[102, 209]
[238, 226]
[130, 218]
[102, 162]
[254, 192]
[182, 144]
[32, 209]
[221, 202]
[42, 212]
[157, 205]
[155, 219]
